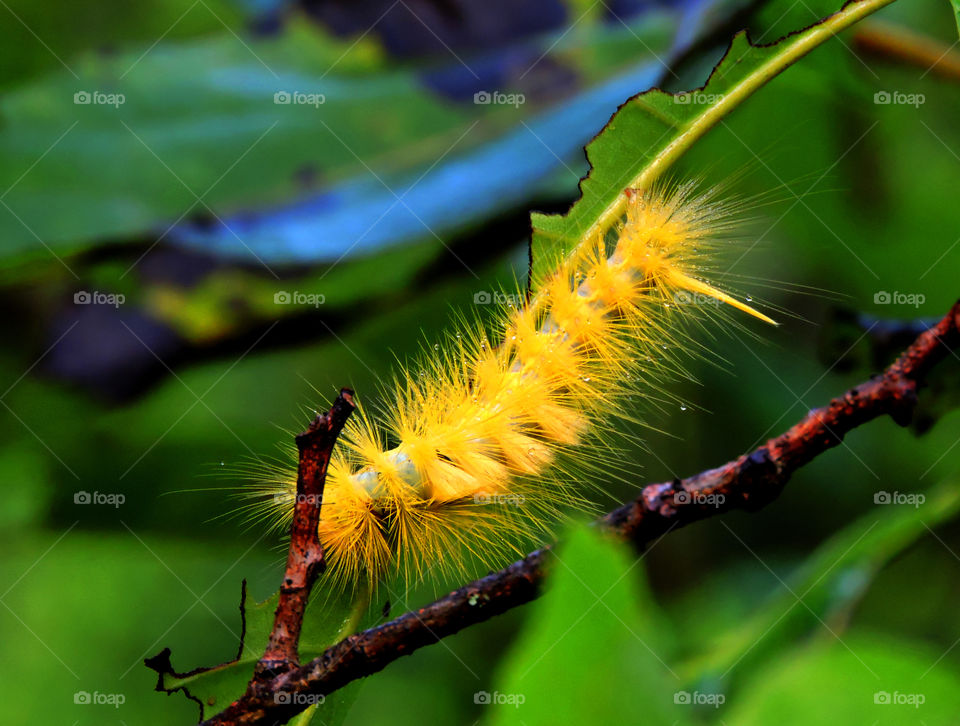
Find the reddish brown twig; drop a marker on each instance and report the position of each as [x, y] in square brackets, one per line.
[305, 557]
[901, 44]
[757, 478]
[748, 482]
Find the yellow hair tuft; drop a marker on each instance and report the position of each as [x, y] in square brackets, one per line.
[478, 435]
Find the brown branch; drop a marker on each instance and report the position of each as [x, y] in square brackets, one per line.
[748, 482]
[898, 43]
[305, 559]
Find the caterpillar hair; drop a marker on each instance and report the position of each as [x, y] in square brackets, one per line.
[485, 437]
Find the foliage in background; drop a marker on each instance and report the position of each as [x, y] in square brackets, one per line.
[868, 207]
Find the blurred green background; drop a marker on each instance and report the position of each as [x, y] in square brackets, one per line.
[190, 264]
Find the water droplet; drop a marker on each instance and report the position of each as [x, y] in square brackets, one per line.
[749, 298]
[436, 346]
[683, 407]
[221, 463]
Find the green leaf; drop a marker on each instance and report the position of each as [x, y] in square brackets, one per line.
[653, 129]
[956, 12]
[873, 680]
[327, 621]
[831, 580]
[199, 118]
[67, 30]
[594, 645]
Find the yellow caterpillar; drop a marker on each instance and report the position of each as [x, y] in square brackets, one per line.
[465, 457]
